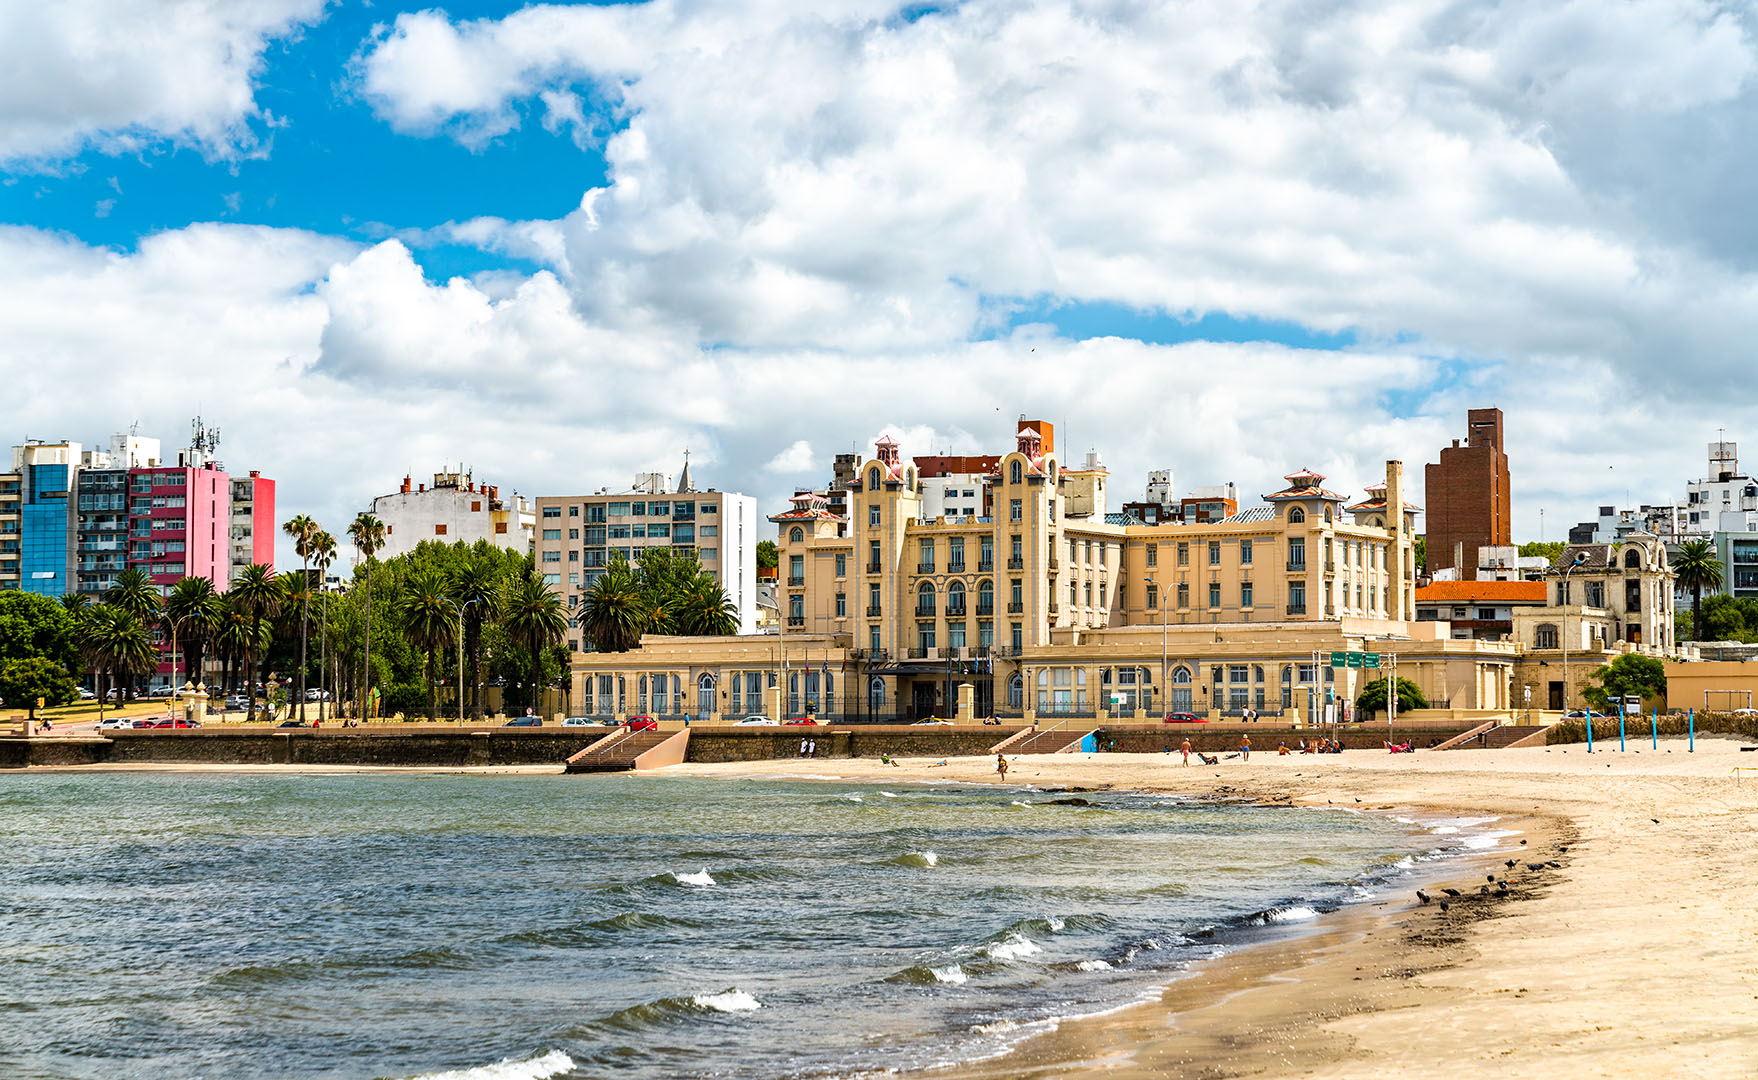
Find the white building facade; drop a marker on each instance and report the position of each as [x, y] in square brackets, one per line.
[456, 508]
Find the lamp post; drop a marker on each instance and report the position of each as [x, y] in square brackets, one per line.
[175, 687]
[460, 609]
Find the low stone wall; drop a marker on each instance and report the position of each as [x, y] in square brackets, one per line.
[1214, 738]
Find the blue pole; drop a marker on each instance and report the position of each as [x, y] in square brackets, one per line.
[1691, 731]
[1621, 715]
[1654, 726]
[1587, 711]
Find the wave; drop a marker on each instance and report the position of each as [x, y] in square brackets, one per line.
[1093, 965]
[915, 858]
[928, 975]
[698, 880]
[1014, 946]
[298, 970]
[554, 1063]
[889, 794]
[593, 933]
[1053, 924]
[666, 1010]
[1295, 913]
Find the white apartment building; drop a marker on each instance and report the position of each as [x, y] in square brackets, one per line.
[456, 508]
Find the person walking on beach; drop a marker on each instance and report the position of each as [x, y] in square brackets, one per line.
[1245, 749]
[1001, 765]
[1184, 749]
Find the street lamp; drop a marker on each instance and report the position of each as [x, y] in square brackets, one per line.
[175, 686]
[460, 609]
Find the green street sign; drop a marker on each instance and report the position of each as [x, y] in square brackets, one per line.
[1339, 659]
[1354, 659]
[1373, 660]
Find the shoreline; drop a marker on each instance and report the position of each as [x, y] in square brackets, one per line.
[1631, 960]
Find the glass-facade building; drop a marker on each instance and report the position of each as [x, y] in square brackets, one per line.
[42, 564]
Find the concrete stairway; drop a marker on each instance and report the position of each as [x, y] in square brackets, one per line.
[1055, 741]
[1505, 735]
[631, 751]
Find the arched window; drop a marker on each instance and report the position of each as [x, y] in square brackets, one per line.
[875, 694]
[705, 694]
[872, 479]
[909, 477]
[1052, 472]
[795, 535]
[1547, 636]
[1287, 673]
[986, 598]
[1015, 691]
[1633, 559]
[1257, 673]
[1296, 514]
[925, 599]
[1180, 676]
[1179, 697]
[955, 598]
[1013, 473]
[1327, 511]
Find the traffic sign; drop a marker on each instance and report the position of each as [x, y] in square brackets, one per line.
[1373, 660]
[1354, 659]
[1339, 659]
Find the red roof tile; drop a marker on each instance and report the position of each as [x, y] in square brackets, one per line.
[1484, 592]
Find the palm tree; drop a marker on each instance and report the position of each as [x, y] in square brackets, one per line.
[135, 593]
[476, 588]
[1698, 567]
[114, 642]
[231, 641]
[615, 613]
[705, 610]
[75, 604]
[258, 593]
[302, 529]
[194, 611]
[430, 622]
[323, 553]
[368, 534]
[532, 612]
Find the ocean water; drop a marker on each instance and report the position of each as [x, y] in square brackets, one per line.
[371, 926]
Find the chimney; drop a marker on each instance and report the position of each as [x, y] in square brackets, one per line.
[406, 480]
[421, 489]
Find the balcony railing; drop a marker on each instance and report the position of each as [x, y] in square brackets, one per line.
[872, 568]
[955, 567]
[1055, 563]
[1297, 567]
[924, 568]
[924, 611]
[796, 620]
[1014, 607]
[796, 582]
[985, 609]
[954, 610]
[988, 565]
[872, 611]
[1297, 609]
[1016, 563]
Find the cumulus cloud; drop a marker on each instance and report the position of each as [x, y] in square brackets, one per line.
[797, 458]
[122, 74]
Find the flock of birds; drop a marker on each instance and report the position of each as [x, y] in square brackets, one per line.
[1501, 885]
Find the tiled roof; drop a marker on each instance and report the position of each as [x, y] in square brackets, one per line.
[1481, 592]
[1123, 519]
[1308, 492]
[1250, 514]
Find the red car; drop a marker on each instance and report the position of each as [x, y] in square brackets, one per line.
[802, 721]
[1185, 718]
[642, 723]
[174, 724]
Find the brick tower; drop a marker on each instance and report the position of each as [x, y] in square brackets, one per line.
[1467, 495]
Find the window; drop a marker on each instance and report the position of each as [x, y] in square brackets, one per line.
[617, 532]
[955, 599]
[1183, 594]
[841, 605]
[1013, 473]
[552, 511]
[925, 564]
[872, 556]
[955, 635]
[1296, 514]
[638, 509]
[619, 509]
[986, 554]
[1017, 636]
[1214, 594]
[873, 514]
[1153, 597]
[655, 530]
[986, 635]
[796, 569]
[872, 479]
[1245, 552]
[574, 534]
[595, 513]
[1015, 507]
[439, 530]
[925, 636]
[1183, 553]
[795, 535]
[955, 554]
[841, 564]
[1297, 598]
[1297, 554]
[573, 556]
[709, 553]
[659, 509]
[708, 508]
[552, 556]
[595, 535]
[552, 579]
[1015, 691]
[1214, 553]
[552, 534]
[1245, 594]
[1633, 559]
[1484, 613]
[875, 687]
[986, 598]
[925, 599]
[1547, 636]
[873, 638]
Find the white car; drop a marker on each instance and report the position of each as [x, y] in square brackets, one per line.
[86, 695]
[115, 723]
[162, 692]
[932, 723]
[757, 721]
[585, 721]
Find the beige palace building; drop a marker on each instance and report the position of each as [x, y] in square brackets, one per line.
[1048, 607]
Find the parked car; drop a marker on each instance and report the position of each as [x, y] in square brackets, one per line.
[236, 701]
[585, 721]
[314, 694]
[162, 692]
[1185, 718]
[167, 723]
[802, 721]
[1582, 714]
[524, 721]
[293, 723]
[147, 723]
[931, 722]
[115, 723]
[86, 695]
[642, 723]
[757, 721]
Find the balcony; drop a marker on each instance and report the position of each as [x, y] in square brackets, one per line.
[1015, 607]
[954, 611]
[924, 654]
[925, 568]
[872, 611]
[988, 566]
[795, 581]
[796, 620]
[985, 609]
[1297, 609]
[1297, 566]
[1055, 564]
[872, 568]
[924, 611]
[955, 567]
[1016, 563]
[1054, 608]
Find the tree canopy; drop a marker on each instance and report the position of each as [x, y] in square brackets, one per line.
[23, 681]
[1550, 549]
[33, 626]
[1631, 673]
[1372, 698]
[668, 593]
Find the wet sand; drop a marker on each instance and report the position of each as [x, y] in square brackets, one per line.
[1636, 958]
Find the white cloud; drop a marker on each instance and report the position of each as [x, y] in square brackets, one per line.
[121, 74]
[797, 458]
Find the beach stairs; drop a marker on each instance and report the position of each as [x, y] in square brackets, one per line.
[1497, 736]
[1057, 740]
[631, 751]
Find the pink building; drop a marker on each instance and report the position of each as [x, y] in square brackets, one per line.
[177, 526]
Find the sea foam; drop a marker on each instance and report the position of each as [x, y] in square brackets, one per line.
[1012, 947]
[954, 975]
[553, 1063]
[729, 1001]
[699, 880]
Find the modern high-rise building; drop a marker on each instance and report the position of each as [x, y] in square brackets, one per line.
[178, 523]
[46, 471]
[1469, 505]
[579, 535]
[253, 522]
[100, 511]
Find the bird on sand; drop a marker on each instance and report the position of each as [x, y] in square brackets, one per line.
[1522, 843]
[1489, 877]
[1422, 896]
[1502, 887]
[1513, 863]
[1451, 892]
[1443, 905]
[1535, 866]
[1653, 819]
[1554, 865]
[1483, 890]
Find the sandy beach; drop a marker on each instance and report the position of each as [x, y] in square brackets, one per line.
[1635, 958]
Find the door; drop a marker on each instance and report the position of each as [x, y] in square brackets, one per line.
[923, 700]
[1556, 697]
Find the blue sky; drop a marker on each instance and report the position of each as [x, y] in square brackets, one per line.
[770, 230]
